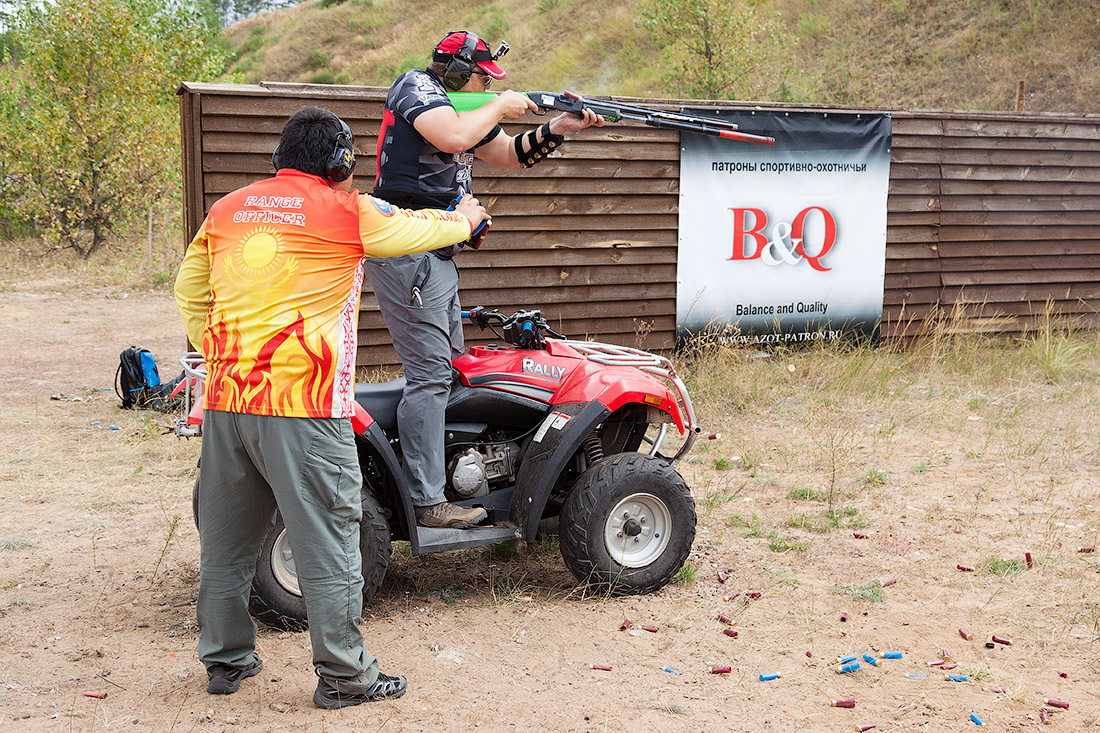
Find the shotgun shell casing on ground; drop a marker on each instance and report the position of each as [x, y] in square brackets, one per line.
[965, 568]
[945, 654]
[935, 662]
[859, 535]
[1027, 559]
[1090, 548]
[864, 727]
[845, 668]
[102, 695]
[809, 653]
[768, 676]
[650, 629]
[916, 676]
[976, 719]
[753, 594]
[1002, 640]
[1056, 703]
[891, 655]
[844, 616]
[846, 703]
[723, 669]
[889, 582]
[1063, 675]
[602, 667]
[625, 625]
[732, 633]
[721, 577]
[1044, 716]
[846, 659]
[874, 662]
[966, 635]
[724, 618]
[956, 678]
[730, 597]
[949, 665]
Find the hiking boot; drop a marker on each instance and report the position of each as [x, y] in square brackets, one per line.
[446, 515]
[225, 680]
[385, 687]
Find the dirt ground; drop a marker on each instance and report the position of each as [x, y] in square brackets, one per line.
[99, 559]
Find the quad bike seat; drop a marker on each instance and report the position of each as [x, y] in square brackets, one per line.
[380, 400]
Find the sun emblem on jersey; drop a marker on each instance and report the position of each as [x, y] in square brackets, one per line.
[259, 260]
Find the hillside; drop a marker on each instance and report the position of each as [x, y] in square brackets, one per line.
[954, 54]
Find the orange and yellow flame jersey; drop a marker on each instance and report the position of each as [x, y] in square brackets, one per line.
[270, 288]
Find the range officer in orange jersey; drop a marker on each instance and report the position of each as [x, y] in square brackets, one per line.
[270, 289]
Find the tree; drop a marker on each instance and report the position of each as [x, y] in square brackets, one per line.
[89, 123]
[720, 49]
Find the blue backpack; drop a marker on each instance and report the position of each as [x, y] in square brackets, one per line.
[137, 382]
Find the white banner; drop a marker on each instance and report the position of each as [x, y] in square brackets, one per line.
[784, 243]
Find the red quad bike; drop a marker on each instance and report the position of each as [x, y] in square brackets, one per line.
[538, 427]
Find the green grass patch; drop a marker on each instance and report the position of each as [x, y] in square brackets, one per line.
[753, 527]
[715, 499]
[803, 493]
[1002, 567]
[686, 575]
[873, 477]
[778, 543]
[846, 518]
[871, 591]
[976, 674]
[14, 543]
[452, 593]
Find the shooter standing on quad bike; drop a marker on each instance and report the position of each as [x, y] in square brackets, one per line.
[426, 152]
[270, 289]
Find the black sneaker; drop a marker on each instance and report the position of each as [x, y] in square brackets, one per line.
[328, 697]
[225, 680]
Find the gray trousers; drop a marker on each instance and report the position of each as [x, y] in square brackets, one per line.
[309, 467]
[427, 334]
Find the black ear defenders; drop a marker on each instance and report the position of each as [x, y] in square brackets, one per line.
[341, 161]
[460, 67]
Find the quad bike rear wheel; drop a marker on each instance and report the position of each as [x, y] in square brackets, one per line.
[276, 598]
[627, 523]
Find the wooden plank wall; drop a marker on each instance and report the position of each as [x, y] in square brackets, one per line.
[994, 214]
[993, 218]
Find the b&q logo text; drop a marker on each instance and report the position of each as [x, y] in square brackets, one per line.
[787, 245]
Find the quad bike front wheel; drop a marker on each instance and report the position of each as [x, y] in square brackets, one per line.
[276, 599]
[627, 523]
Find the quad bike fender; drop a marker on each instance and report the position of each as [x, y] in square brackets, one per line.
[373, 435]
[558, 437]
[614, 387]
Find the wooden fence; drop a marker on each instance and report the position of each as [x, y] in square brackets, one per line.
[991, 217]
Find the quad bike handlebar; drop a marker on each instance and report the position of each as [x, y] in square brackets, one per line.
[525, 329]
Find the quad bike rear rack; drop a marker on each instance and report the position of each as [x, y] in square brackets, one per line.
[194, 366]
[655, 365]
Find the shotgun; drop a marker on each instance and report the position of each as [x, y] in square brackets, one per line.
[616, 112]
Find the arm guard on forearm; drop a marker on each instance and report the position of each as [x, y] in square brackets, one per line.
[536, 150]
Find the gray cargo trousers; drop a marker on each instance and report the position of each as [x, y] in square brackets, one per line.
[418, 296]
[309, 467]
